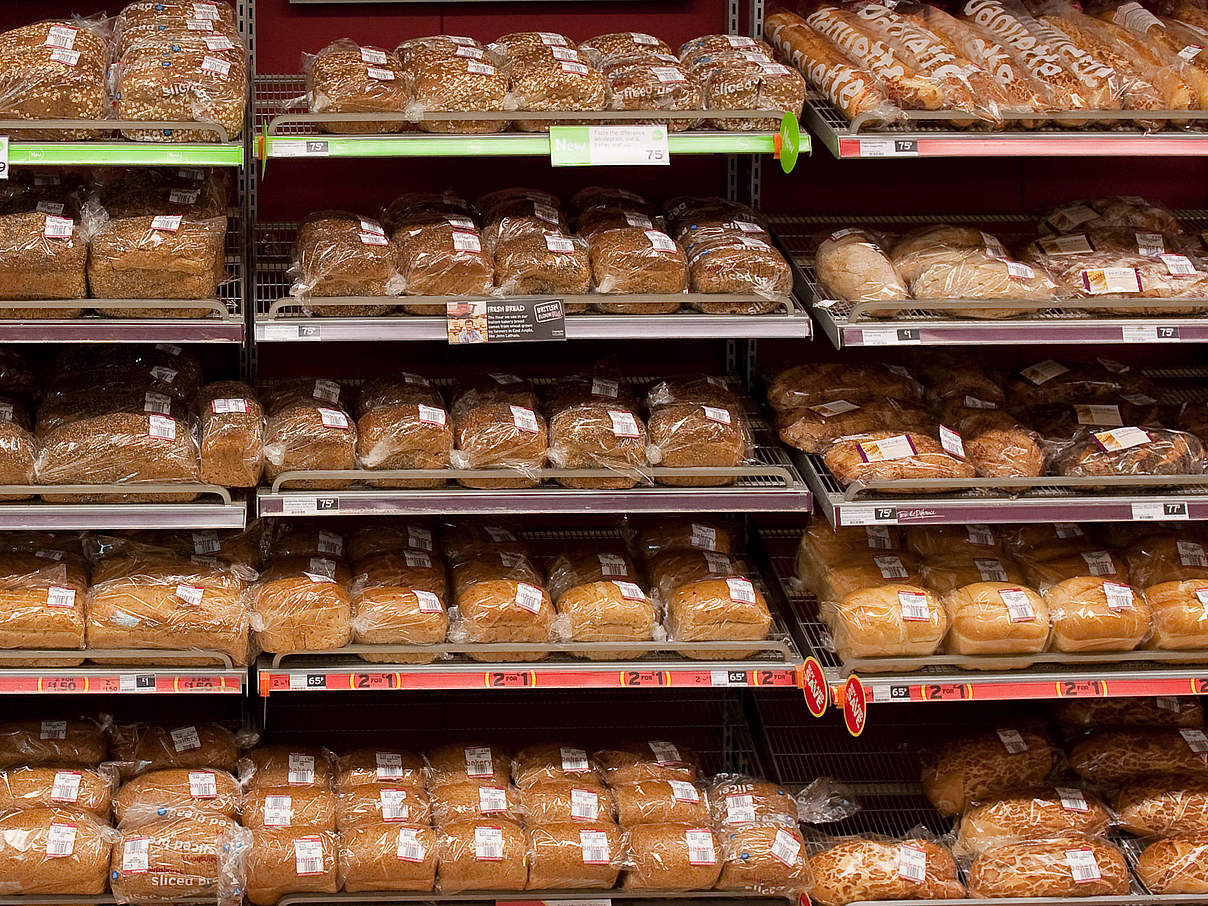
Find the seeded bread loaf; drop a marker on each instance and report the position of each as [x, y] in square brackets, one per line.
[139, 748]
[345, 77]
[232, 435]
[338, 253]
[459, 84]
[405, 436]
[1044, 813]
[651, 83]
[43, 79]
[46, 851]
[556, 80]
[543, 263]
[687, 435]
[442, 256]
[741, 265]
[632, 260]
[765, 858]
[309, 435]
[622, 44]
[501, 611]
[296, 767]
[598, 435]
[42, 256]
[500, 435]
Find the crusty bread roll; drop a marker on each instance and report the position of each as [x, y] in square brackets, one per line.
[738, 801]
[490, 854]
[653, 760]
[291, 766]
[996, 618]
[574, 854]
[661, 802]
[894, 620]
[1175, 866]
[606, 611]
[26, 867]
[868, 869]
[1179, 611]
[672, 857]
[1114, 756]
[70, 789]
[54, 742]
[177, 792]
[455, 763]
[150, 747]
[384, 804]
[290, 807]
[374, 766]
[764, 858]
[1163, 805]
[470, 801]
[1044, 813]
[719, 610]
[1050, 868]
[979, 767]
[551, 762]
[1094, 614]
[291, 860]
[388, 857]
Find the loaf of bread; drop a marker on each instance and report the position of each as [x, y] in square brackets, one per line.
[948, 572]
[556, 79]
[567, 802]
[860, 869]
[754, 85]
[983, 766]
[1162, 805]
[502, 611]
[180, 858]
[719, 610]
[893, 620]
[549, 763]
[43, 83]
[42, 256]
[1064, 812]
[290, 807]
[383, 857]
[177, 793]
[139, 748]
[52, 742]
[309, 435]
[500, 436]
[996, 618]
[853, 268]
[885, 456]
[737, 800]
[338, 253]
[397, 615]
[391, 538]
[78, 790]
[764, 858]
[671, 570]
[591, 564]
[653, 760]
[406, 569]
[814, 428]
[1179, 617]
[232, 435]
[459, 84]
[622, 44]
[674, 534]
[493, 566]
[661, 802]
[860, 572]
[1094, 614]
[574, 854]
[303, 604]
[606, 611]
[1114, 756]
[1059, 867]
[289, 766]
[286, 860]
[1175, 866]
[41, 606]
[644, 82]
[467, 764]
[672, 857]
[157, 257]
[1084, 715]
[599, 436]
[633, 260]
[441, 256]
[53, 851]
[345, 77]
[543, 263]
[1123, 452]
[472, 800]
[386, 803]
[18, 456]
[1072, 563]
[490, 854]
[694, 436]
[731, 261]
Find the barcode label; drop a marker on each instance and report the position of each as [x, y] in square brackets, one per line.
[1083, 866]
[462, 240]
[951, 442]
[1019, 605]
[492, 800]
[594, 845]
[701, 850]
[624, 424]
[629, 591]
[159, 403]
[431, 415]
[1196, 740]
[740, 809]
[574, 761]
[838, 407]
[665, 753]
[333, 419]
[1045, 371]
[216, 66]
[890, 567]
[660, 241]
[66, 786]
[1119, 597]
[136, 855]
[718, 414]
[161, 427]
[53, 729]
[1167, 703]
[409, 847]
[703, 537]
[488, 844]
[389, 765]
[394, 805]
[222, 407]
[741, 590]
[59, 597]
[323, 567]
[479, 69]
[301, 769]
[278, 811]
[61, 36]
[914, 607]
[203, 785]
[786, 848]
[308, 856]
[60, 840]
[190, 594]
[1072, 799]
[1099, 563]
[605, 387]
[990, 570]
[417, 559]
[479, 760]
[379, 75]
[1012, 741]
[217, 42]
[683, 791]
[58, 227]
[912, 863]
[370, 55]
[525, 419]
[1191, 553]
[584, 805]
[330, 543]
[206, 543]
[185, 739]
[426, 601]
[167, 223]
[529, 597]
[612, 565]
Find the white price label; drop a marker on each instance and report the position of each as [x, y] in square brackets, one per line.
[624, 423]
[594, 846]
[66, 786]
[741, 590]
[308, 856]
[167, 223]
[53, 729]
[888, 147]
[525, 419]
[492, 800]
[1107, 416]
[1019, 605]
[190, 594]
[60, 840]
[786, 848]
[1072, 799]
[990, 570]
[333, 418]
[1159, 512]
[1083, 866]
[1119, 597]
[136, 855]
[629, 591]
[278, 811]
[203, 785]
[1196, 740]
[891, 567]
[1012, 740]
[912, 863]
[740, 809]
[951, 442]
[426, 601]
[488, 844]
[584, 805]
[725, 679]
[1192, 554]
[914, 607]
[1122, 439]
[683, 791]
[58, 227]
[410, 849]
[59, 597]
[529, 597]
[301, 769]
[161, 427]
[1150, 333]
[479, 761]
[701, 850]
[890, 336]
[394, 805]
[838, 407]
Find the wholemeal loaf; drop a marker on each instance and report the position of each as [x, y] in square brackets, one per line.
[717, 610]
[599, 436]
[490, 854]
[661, 802]
[345, 77]
[672, 857]
[18, 456]
[52, 742]
[338, 253]
[653, 760]
[306, 435]
[765, 858]
[543, 263]
[643, 82]
[500, 436]
[567, 801]
[180, 858]
[409, 569]
[389, 539]
[41, 606]
[176, 793]
[978, 767]
[574, 854]
[467, 764]
[690, 435]
[606, 611]
[583, 567]
[232, 435]
[53, 851]
[458, 84]
[386, 803]
[289, 766]
[1114, 756]
[303, 605]
[1045, 813]
[286, 860]
[42, 256]
[1061, 867]
[861, 869]
[69, 789]
[548, 763]
[441, 256]
[471, 800]
[139, 748]
[41, 82]
[673, 569]
[633, 260]
[737, 801]
[388, 857]
[1175, 866]
[1162, 805]
[674, 534]
[501, 611]
[397, 615]
[289, 807]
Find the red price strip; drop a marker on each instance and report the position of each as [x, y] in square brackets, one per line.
[646, 678]
[510, 679]
[1081, 689]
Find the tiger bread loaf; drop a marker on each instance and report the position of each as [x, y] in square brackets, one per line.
[1058, 867]
[1162, 805]
[140, 747]
[574, 854]
[568, 801]
[53, 851]
[719, 610]
[472, 800]
[1175, 866]
[553, 762]
[1079, 716]
[504, 611]
[860, 869]
[177, 793]
[661, 802]
[69, 789]
[285, 806]
[1114, 756]
[285, 860]
[190, 858]
[454, 763]
[52, 742]
[893, 620]
[488, 854]
[983, 765]
[303, 604]
[672, 857]
[652, 760]
[764, 858]
[382, 857]
[607, 611]
[1051, 812]
[996, 618]
[290, 766]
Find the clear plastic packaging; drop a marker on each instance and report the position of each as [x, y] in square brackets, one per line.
[740, 801]
[490, 854]
[687, 435]
[543, 263]
[456, 763]
[575, 855]
[619, 45]
[732, 262]
[468, 800]
[71, 789]
[644, 82]
[503, 611]
[867, 868]
[296, 767]
[41, 81]
[633, 260]
[314, 434]
[500, 435]
[139, 748]
[343, 254]
[364, 806]
[493, 564]
[455, 85]
[661, 802]
[677, 535]
[814, 428]
[375, 766]
[285, 860]
[397, 615]
[46, 851]
[405, 436]
[753, 85]
[607, 611]
[767, 859]
[345, 77]
[274, 806]
[675, 568]
[1095, 614]
[719, 610]
[672, 857]
[1060, 867]
[387, 857]
[996, 618]
[1162, 806]
[1127, 451]
[583, 567]
[893, 620]
[52, 742]
[818, 382]
[442, 256]
[206, 857]
[177, 793]
[599, 436]
[983, 766]
[41, 606]
[1175, 866]
[232, 434]
[1115, 756]
[652, 760]
[889, 456]
[1079, 716]
[42, 256]
[859, 571]
[407, 569]
[566, 802]
[1067, 811]
[303, 605]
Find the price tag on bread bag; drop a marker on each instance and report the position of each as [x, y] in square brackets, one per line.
[203, 785]
[1104, 415]
[990, 570]
[877, 537]
[161, 427]
[912, 863]
[528, 597]
[612, 565]
[525, 419]
[891, 567]
[951, 442]
[1191, 554]
[914, 608]
[488, 844]
[1099, 563]
[53, 729]
[1196, 741]
[1121, 439]
[1043, 372]
[394, 805]
[410, 849]
[1100, 281]
[308, 856]
[426, 601]
[479, 761]
[629, 591]
[60, 840]
[61, 598]
[66, 786]
[1119, 597]
[741, 590]
[624, 424]
[185, 739]
[665, 753]
[1012, 740]
[740, 809]
[136, 855]
[900, 446]
[683, 791]
[838, 407]
[594, 847]
[1072, 799]
[1083, 867]
[584, 805]
[1019, 605]
[786, 848]
[278, 811]
[301, 769]
[701, 850]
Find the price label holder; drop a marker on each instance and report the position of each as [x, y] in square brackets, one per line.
[889, 147]
[790, 142]
[890, 336]
[506, 321]
[4, 165]
[604, 146]
[291, 332]
[728, 678]
[139, 682]
[868, 515]
[1148, 333]
[1160, 512]
[309, 506]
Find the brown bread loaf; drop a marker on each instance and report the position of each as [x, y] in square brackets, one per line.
[397, 615]
[672, 857]
[551, 763]
[68, 789]
[405, 436]
[574, 855]
[52, 742]
[567, 801]
[381, 857]
[1062, 812]
[291, 860]
[653, 760]
[610, 611]
[457, 763]
[381, 804]
[182, 857]
[661, 802]
[377, 766]
[232, 435]
[1175, 866]
[501, 611]
[1162, 805]
[177, 793]
[690, 435]
[285, 806]
[345, 77]
[765, 858]
[738, 801]
[303, 605]
[719, 610]
[152, 747]
[157, 257]
[490, 854]
[52, 851]
[290, 766]
[500, 435]
[42, 256]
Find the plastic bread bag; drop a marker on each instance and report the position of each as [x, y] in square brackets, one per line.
[890, 620]
[1174, 866]
[1128, 451]
[302, 605]
[608, 217]
[651, 760]
[462, 541]
[42, 607]
[567, 802]
[575, 854]
[1180, 621]
[821, 545]
[1044, 573]
[581, 567]
[502, 612]
[456, 763]
[493, 387]
[309, 435]
[177, 793]
[687, 435]
[415, 53]
[719, 610]
[396, 614]
[139, 747]
[373, 539]
[76, 741]
[890, 456]
[741, 265]
[599, 436]
[1051, 381]
[543, 264]
[995, 444]
[488, 854]
[713, 390]
[343, 254]
[345, 77]
[1162, 806]
[753, 85]
[768, 859]
[405, 436]
[550, 762]
[1119, 212]
[392, 391]
[55, 69]
[1064, 866]
[1161, 557]
[607, 611]
[677, 534]
[989, 764]
[672, 569]
[1092, 614]
[379, 765]
[295, 767]
[672, 856]
[363, 806]
[860, 570]
[408, 568]
[51, 246]
[1115, 756]
[1049, 812]
[643, 82]
[691, 51]
[619, 45]
[947, 573]
[217, 13]
[289, 807]
[686, 212]
[996, 618]
[442, 256]
[853, 267]
[850, 869]
[825, 801]
[420, 205]
[637, 261]
[661, 802]
[285, 860]
[387, 857]
[456, 85]
[500, 436]
[509, 218]
[54, 851]
[924, 248]
[79, 790]
[737, 800]
[1061, 424]
[205, 857]
[813, 429]
[152, 23]
[232, 438]
[817, 382]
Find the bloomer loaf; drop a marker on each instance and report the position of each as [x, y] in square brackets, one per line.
[853, 268]
[27, 866]
[276, 806]
[717, 610]
[1123, 452]
[814, 428]
[1044, 813]
[996, 618]
[574, 854]
[1094, 614]
[177, 793]
[490, 854]
[1061, 867]
[291, 860]
[1113, 756]
[870, 869]
[978, 767]
[61, 788]
[893, 620]
[885, 456]
[388, 857]
[205, 859]
[606, 611]
[303, 606]
[672, 857]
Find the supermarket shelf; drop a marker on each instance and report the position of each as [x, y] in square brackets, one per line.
[579, 897]
[287, 131]
[906, 323]
[1000, 500]
[943, 677]
[927, 133]
[280, 317]
[118, 152]
[217, 511]
[149, 674]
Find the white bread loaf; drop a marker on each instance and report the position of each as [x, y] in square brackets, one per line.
[894, 620]
[996, 618]
[1094, 614]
